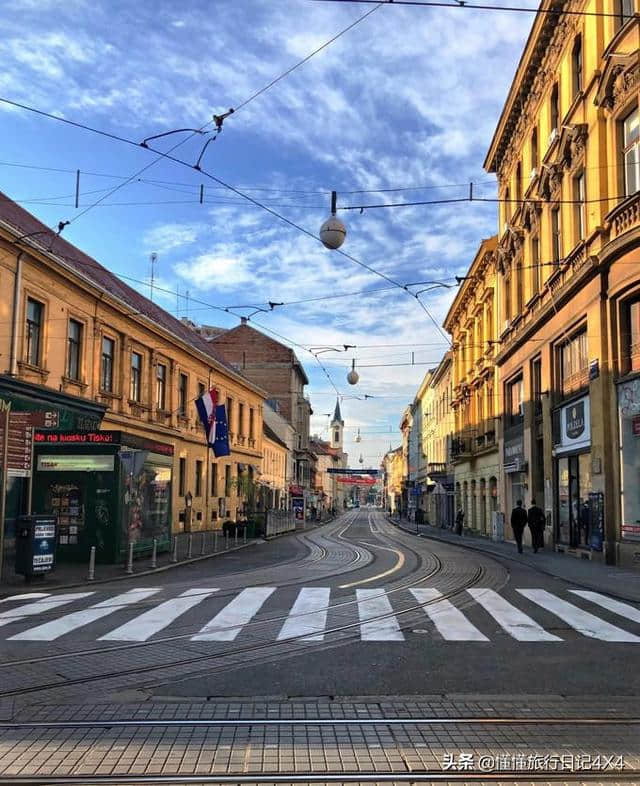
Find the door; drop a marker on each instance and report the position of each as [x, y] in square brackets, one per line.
[574, 485]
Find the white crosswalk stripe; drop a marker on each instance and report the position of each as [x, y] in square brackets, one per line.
[450, 622]
[226, 625]
[616, 606]
[373, 613]
[372, 603]
[585, 623]
[39, 607]
[78, 619]
[308, 616]
[144, 626]
[510, 619]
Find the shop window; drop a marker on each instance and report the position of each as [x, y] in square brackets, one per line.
[214, 479]
[182, 477]
[183, 394]
[573, 364]
[161, 386]
[515, 401]
[35, 315]
[136, 376]
[574, 504]
[633, 337]
[631, 152]
[74, 349]
[106, 365]
[198, 483]
[576, 66]
[556, 240]
[579, 207]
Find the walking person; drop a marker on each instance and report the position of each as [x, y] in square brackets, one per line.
[459, 521]
[536, 520]
[518, 523]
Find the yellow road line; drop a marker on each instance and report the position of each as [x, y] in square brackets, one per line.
[396, 567]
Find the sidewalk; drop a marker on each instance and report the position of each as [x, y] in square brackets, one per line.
[67, 575]
[618, 582]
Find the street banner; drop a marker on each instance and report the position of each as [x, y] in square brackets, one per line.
[221, 443]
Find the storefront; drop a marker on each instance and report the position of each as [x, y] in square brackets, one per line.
[578, 519]
[629, 414]
[27, 406]
[107, 488]
[515, 467]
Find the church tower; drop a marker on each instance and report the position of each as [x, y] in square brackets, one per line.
[337, 426]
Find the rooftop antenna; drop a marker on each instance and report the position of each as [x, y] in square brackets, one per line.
[154, 259]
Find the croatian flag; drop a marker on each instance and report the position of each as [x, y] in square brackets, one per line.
[221, 443]
[206, 406]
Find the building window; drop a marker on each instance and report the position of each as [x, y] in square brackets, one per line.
[573, 364]
[631, 152]
[556, 243]
[507, 298]
[507, 205]
[198, 485]
[518, 185]
[536, 386]
[241, 420]
[201, 389]
[35, 312]
[633, 350]
[534, 149]
[554, 108]
[74, 346]
[519, 289]
[535, 264]
[576, 66]
[106, 366]
[336, 436]
[227, 480]
[515, 400]
[182, 476]
[214, 479]
[230, 415]
[136, 376]
[183, 393]
[252, 434]
[625, 11]
[579, 208]
[161, 386]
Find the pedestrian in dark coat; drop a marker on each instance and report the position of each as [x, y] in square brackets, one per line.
[459, 521]
[518, 523]
[536, 520]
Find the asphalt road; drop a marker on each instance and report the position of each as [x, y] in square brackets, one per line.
[353, 608]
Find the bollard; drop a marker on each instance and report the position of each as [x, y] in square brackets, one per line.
[235, 538]
[174, 556]
[189, 545]
[226, 539]
[202, 542]
[130, 559]
[92, 563]
[244, 535]
[215, 540]
[154, 554]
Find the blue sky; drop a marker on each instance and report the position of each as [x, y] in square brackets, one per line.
[408, 98]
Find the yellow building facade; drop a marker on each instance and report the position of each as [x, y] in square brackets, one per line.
[393, 469]
[566, 152]
[73, 328]
[472, 323]
[274, 469]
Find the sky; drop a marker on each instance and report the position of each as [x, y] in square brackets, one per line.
[407, 99]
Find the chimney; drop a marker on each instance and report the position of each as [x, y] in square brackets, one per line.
[243, 320]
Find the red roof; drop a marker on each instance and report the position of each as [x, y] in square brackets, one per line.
[25, 223]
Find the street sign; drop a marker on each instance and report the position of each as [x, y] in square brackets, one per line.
[19, 447]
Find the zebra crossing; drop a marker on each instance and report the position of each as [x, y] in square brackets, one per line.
[478, 615]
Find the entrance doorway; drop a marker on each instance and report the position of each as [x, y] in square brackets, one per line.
[574, 485]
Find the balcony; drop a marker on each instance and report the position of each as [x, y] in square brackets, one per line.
[460, 448]
[624, 216]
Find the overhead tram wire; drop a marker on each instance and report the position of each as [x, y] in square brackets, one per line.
[554, 11]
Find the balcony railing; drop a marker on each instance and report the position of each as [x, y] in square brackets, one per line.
[625, 215]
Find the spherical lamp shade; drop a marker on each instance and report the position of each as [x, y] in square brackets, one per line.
[353, 377]
[333, 233]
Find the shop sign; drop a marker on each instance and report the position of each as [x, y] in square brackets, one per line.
[575, 426]
[513, 452]
[75, 463]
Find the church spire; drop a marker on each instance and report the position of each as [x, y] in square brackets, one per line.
[337, 416]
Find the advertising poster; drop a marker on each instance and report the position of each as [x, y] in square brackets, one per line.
[297, 506]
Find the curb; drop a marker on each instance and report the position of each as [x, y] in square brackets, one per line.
[494, 555]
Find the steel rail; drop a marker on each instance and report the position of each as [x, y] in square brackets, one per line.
[432, 721]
